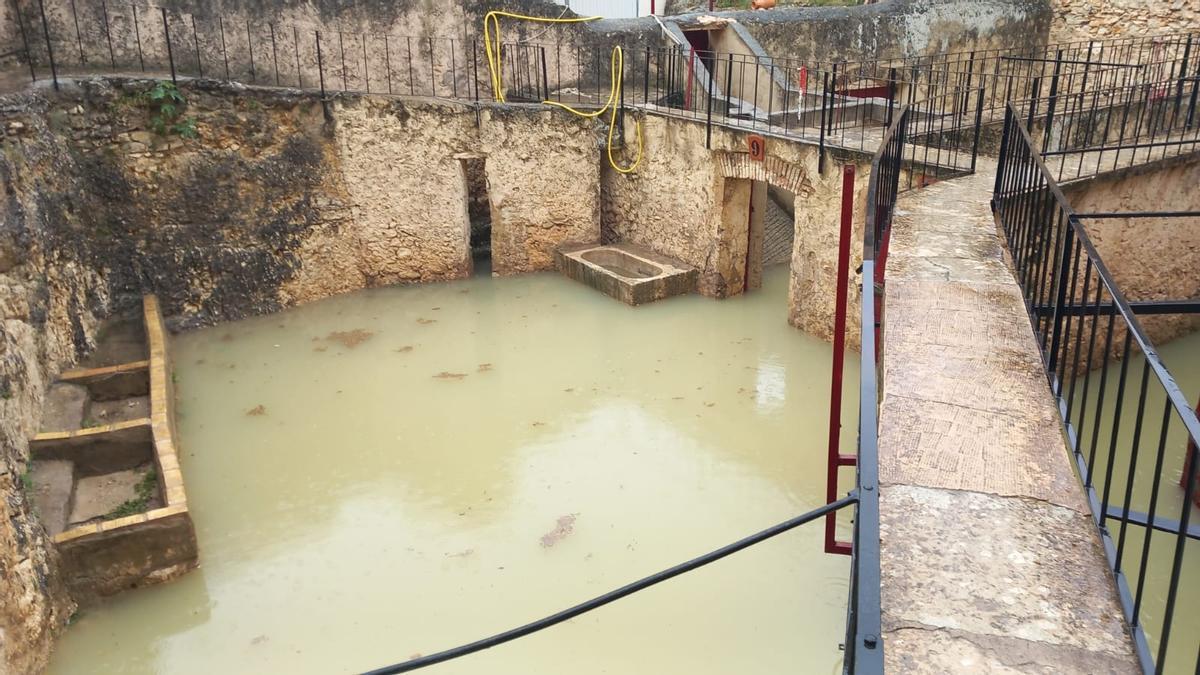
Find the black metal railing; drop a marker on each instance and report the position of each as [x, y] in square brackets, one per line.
[1107, 129]
[830, 104]
[1126, 420]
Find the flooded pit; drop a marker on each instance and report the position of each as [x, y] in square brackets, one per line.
[401, 470]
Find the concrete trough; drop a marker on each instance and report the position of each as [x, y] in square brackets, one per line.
[628, 273]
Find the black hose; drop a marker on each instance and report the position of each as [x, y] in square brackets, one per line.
[601, 600]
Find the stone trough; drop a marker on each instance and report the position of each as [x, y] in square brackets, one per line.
[628, 273]
[105, 474]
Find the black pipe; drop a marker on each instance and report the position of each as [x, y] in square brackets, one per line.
[617, 594]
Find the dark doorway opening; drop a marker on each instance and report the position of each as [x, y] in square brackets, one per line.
[479, 214]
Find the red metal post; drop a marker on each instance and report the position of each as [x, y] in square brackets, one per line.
[836, 459]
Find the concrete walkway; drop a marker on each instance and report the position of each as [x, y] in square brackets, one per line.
[990, 559]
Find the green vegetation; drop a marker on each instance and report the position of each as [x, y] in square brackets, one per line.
[166, 105]
[145, 490]
[27, 477]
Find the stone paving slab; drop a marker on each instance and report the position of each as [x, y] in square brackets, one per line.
[990, 560]
[998, 567]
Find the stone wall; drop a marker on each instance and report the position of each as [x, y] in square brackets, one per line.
[674, 206]
[1096, 19]
[896, 28]
[1149, 258]
[279, 200]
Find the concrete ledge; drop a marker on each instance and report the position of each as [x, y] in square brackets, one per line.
[111, 382]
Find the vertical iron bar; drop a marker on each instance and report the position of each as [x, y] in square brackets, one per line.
[196, 41]
[411, 85]
[274, 53]
[25, 40]
[224, 51]
[387, 61]
[78, 34]
[296, 44]
[1132, 472]
[320, 65]
[167, 36]
[112, 54]
[712, 81]
[49, 48]
[137, 33]
[546, 80]
[250, 44]
[821, 140]
[366, 64]
[1158, 467]
[342, 52]
[1117, 406]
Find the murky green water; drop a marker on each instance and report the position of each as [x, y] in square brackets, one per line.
[493, 451]
[1182, 358]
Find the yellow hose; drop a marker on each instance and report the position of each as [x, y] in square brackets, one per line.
[491, 22]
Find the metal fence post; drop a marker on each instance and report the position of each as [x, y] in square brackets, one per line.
[1002, 161]
[821, 139]
[708, 124]
[49, 47]
[24, 40]
[112, 54]
[196, 40]
[167, 35]
[1052, 101]
[978, 128]
[321, 65]
[78, 34]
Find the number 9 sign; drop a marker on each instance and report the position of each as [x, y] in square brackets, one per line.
[757, 146]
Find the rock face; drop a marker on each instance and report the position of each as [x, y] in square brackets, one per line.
[1097, 19]
[281, 199]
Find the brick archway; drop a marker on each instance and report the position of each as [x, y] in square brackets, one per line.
[772, 170]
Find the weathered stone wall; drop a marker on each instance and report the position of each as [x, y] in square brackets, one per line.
[1096, 19]
[49, 302]
[896, 28]
[1149, 258]
[674, 206]
[279, 200]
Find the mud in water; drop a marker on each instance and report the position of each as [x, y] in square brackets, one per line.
[390, 504]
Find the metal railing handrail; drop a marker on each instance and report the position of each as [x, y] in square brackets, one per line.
[1050, 248]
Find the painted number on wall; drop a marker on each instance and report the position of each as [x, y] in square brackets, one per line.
[758, 147]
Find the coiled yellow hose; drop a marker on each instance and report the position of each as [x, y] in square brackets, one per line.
[491, 44]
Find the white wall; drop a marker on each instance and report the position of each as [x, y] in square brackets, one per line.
[613, 9]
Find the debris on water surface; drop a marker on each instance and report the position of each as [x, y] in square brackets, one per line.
[405, 348]
[484, 367]
[228, 337]
[565, 526]
[350, 338]
[320, 348]
[425, 322]
[259, 640]
[444, 375]
[461, 554]
[257, 411]
[538, 424]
